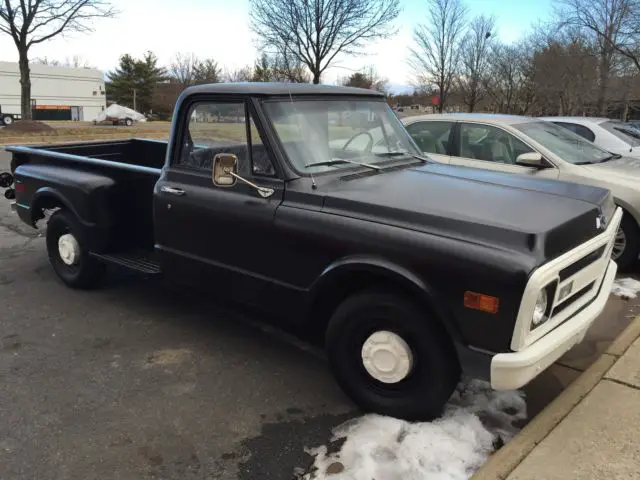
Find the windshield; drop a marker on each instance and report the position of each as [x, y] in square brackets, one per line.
[627, 134]
[364, 131]
[567, 145]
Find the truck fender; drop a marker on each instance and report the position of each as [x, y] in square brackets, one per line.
[385, 270]
[47, 196]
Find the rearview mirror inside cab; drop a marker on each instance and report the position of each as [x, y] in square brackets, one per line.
[224, 165]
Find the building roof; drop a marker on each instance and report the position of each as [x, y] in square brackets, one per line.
[498, 118]
[277, 88]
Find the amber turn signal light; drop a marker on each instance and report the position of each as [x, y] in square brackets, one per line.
[479, 301]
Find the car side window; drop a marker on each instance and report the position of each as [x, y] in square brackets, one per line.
[489, 143]
[431, 137]
[581, 130]
[215, 127]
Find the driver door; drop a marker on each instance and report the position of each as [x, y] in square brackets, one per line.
[219, 238]
[490, 147]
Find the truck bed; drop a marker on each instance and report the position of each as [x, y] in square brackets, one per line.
[133, 167]
[134, 152]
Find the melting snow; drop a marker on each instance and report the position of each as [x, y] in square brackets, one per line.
[626, 287]
[451, 447]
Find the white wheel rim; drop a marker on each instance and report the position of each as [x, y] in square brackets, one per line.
[68, 249]
[387, 357]
[8, 120]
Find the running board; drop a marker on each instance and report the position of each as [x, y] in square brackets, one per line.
[139, 262]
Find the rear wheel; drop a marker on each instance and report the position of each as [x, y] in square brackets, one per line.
[390, 357]
[626, 247]
[7, 120]
[68, 254]
[128, 122]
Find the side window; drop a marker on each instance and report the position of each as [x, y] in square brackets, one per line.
[215, 127]
[261, 162]
[491, 144]
[581, 130]
[431, 137]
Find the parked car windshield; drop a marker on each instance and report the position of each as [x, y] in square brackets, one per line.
[628, 135]
[567, 145]
[365, 131]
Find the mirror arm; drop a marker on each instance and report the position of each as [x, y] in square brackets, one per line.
[264, 192]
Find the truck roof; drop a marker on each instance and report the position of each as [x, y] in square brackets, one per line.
[276, 89]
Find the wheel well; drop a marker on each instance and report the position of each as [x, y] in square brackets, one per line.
[43, 203]
[348, 284]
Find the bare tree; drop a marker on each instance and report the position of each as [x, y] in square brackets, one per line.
[30, 22]
[315, 32]
[509, 83]
[475, 60]
[565, 77]
[243, 74]
[183, 67]
[608, 22]
[436, 56]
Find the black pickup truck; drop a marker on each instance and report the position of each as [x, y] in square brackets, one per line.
[313, 205]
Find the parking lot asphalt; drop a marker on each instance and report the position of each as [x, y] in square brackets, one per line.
[137, 380]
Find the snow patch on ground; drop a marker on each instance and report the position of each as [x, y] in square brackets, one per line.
[626, 287]
[475, 422]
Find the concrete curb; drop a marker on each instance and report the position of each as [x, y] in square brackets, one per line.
[504, 461]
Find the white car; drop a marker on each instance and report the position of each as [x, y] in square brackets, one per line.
[530, 146]
[611, 135]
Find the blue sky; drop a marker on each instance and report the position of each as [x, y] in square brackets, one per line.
[219, 29]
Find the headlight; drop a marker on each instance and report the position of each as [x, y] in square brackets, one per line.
[540, 308]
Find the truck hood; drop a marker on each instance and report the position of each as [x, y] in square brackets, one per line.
[543, 217]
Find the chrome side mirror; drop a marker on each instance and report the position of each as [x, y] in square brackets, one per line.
[224, 166]
[225, 174]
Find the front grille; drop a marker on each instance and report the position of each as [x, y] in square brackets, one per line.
[572, 299]
[582, 263]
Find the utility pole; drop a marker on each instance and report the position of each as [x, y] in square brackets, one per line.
[134, 100]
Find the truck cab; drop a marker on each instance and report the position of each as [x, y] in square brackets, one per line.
[313, 204]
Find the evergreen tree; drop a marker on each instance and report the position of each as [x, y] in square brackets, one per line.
[137, 78]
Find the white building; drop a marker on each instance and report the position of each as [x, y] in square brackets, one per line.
[57, 93]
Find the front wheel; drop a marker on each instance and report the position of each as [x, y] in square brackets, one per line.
[390, 357]
[68, 252]
[626, 247]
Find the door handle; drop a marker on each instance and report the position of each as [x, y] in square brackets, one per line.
[172, 190]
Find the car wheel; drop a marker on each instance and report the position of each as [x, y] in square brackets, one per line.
[7, 120]
[390, 358]
[68, 252]
[128, 122]
[626, 247]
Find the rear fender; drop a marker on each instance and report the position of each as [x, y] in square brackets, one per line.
[46, 197]
[380, 269]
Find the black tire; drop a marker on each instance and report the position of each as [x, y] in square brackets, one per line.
[436, 370]
[629, 255]
[87, 272]
[7, 120]
[128, 122]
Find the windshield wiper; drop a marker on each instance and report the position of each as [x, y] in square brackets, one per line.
[337, 161]
[402, 154]
[614, 156]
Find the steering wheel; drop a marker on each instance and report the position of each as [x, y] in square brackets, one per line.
[369, 143]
